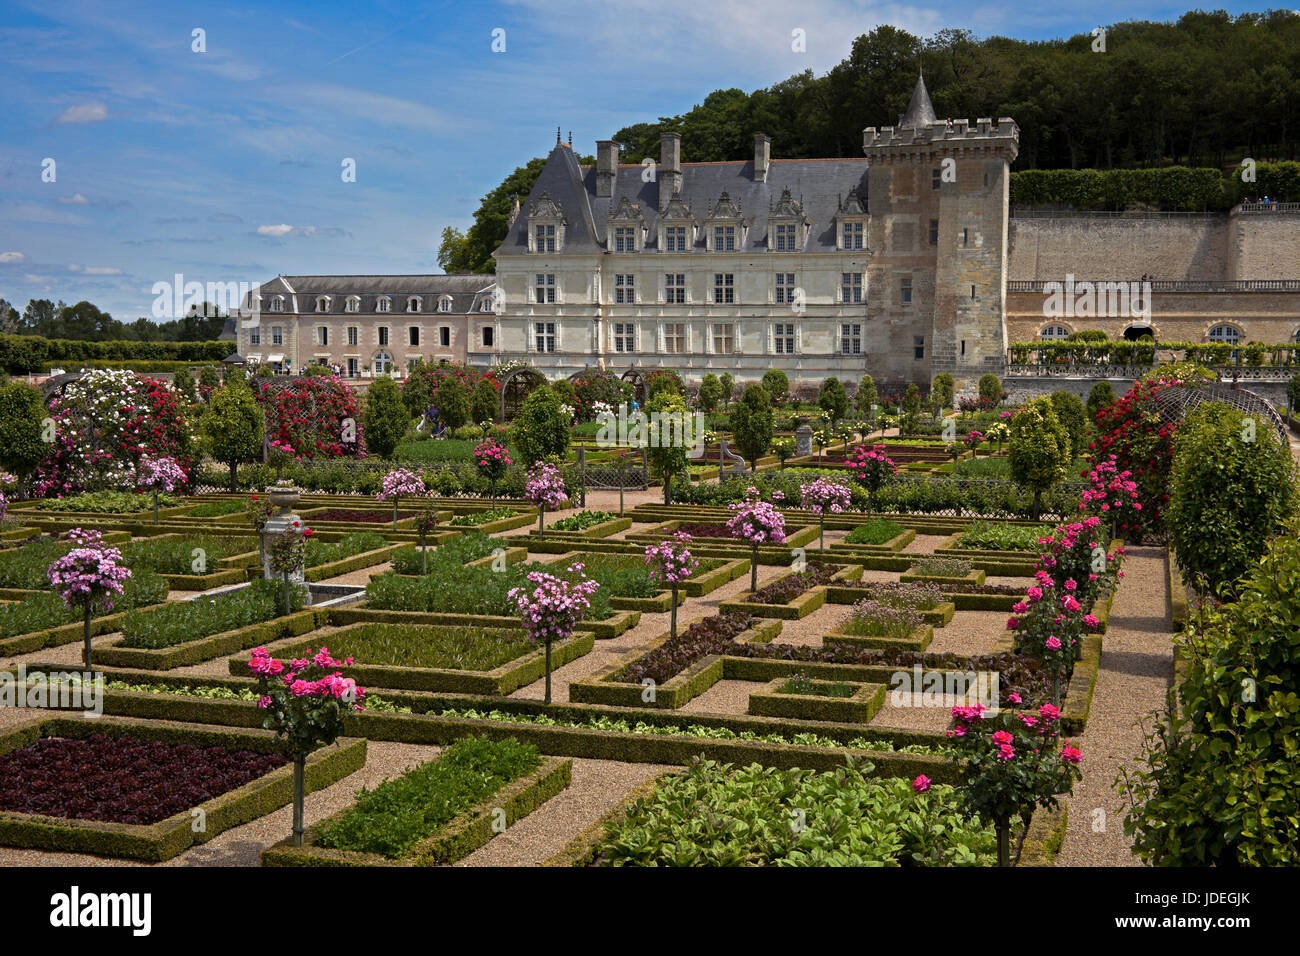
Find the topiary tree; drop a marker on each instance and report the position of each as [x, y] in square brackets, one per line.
[710, 392]
[483, 401]
[728, 388]
[777, 385]
[385, 417]
[990, 388]
[1101, 396]
[1232, 486]
[451, 398]
[752, 424]
[183, 382]
[832, 399]
[1073, 418]
[942, 391]
[542, 428]
[22, 444]
[911, 409]
[232, 426]
[1216, 781]
[867, 395]
[1040, 450]
[666, 461]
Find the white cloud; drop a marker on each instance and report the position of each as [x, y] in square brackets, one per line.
[277, 231]
[7, 257]
[84, 113]
[76, 199]
[102, 271]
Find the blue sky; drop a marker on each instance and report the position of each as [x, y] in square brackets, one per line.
[225, 165]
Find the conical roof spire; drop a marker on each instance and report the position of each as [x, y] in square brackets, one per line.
[920, 111]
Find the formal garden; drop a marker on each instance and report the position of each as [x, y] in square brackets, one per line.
[483, 618]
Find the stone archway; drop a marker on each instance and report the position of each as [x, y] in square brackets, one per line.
[514, 388]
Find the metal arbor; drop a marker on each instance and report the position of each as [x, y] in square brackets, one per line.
[514, 388]
[640, 388]
[1175, 401]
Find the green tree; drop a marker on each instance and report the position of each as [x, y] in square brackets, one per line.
[183, 382]
[231, 427]
[542, 429]
[910, 407]
[1101, 396]
[833, 399]
[777, 385]
[728, 388]
[484, 401]
[209, 378]
[1293, 392]
[385, 418]
[666, 461]
[710, 392]
[451, 398]
[942, 391]
[1039, 451]
[1073, 418]
[1232, 486]
[752, 424]
[867, 394]
[22, 448]
[990, 388]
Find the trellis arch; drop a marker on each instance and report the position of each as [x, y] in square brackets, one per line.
[1174, 402]
[515, 387]
[640, 390]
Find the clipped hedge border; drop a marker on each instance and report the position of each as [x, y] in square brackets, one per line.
[602, 530]
[865, 702]
[918, 640]
[64, 633]
[356, 562]
[612, 626]
[1044, 837]
[975, 576]
[206, 648]
[174, 835]
[798, 608]
[501, 524]
[939, 616]
[501, 680]
[892, 546]
[795, 538]
[458, 839]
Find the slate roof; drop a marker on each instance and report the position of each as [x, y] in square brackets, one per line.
[301, 292]
[920, 111]
[820, 184]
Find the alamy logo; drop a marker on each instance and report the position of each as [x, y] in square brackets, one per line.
[175, 299]
[933, 688]
[1113, 300]
[61, 690]
[74, 909]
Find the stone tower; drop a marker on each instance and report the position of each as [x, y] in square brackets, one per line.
[938, 198]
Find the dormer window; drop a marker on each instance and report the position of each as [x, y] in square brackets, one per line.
[323, 304]
[486, 304]
[546, 226]
[726, 229]
[413, 304]
[625, 239]
[786, 225]
[676, 226]
[353, 304]
[444, 304]
[383, 304]
[851, 223]
[277, 304]
[626, 227]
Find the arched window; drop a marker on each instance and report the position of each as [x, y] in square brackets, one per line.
[1296, 337]
[444, 304]
[354, 303]
[277, 304]
[323, 304]
[486, 306]
[1225, 335]
[1054, 333]
[413, 304]
[383, 363]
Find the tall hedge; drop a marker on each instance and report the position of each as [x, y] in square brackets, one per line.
[21, 354]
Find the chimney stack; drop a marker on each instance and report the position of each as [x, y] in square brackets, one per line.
[606, 166]
[670, 167]
[762, 156]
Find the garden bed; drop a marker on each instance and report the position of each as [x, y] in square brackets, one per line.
[839, 701]
[800, 604]
[247, 789]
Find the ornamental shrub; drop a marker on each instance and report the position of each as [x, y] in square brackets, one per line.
[542, 428]
[1215, 784]
[1073, 418]
[594, 388]
[710, 392]
[752, 425]
[483, 405]
[1040, 449]
[666, 461]
[1232, 487]
[22, 410]
[451, 398]
[832, 399]
[777, 385]
[728, 388]
[990, 388]
[386, 417]
[1101, 396]
[943, 391]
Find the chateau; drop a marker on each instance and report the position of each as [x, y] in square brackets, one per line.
[904, 263]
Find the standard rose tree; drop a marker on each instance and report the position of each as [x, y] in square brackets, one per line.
[159, 473]
[545, 489]
[491, 461]
[821, 496]
[872, 467]
[307, 703]
[398, 482]
[89, 575]
[671, 563]
[553, 608]
[757, 522]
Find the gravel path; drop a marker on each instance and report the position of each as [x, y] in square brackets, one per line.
[1136, 670]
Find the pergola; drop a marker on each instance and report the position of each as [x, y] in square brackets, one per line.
[1173, 403]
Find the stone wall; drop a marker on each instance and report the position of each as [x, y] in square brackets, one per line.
[1098, 248]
